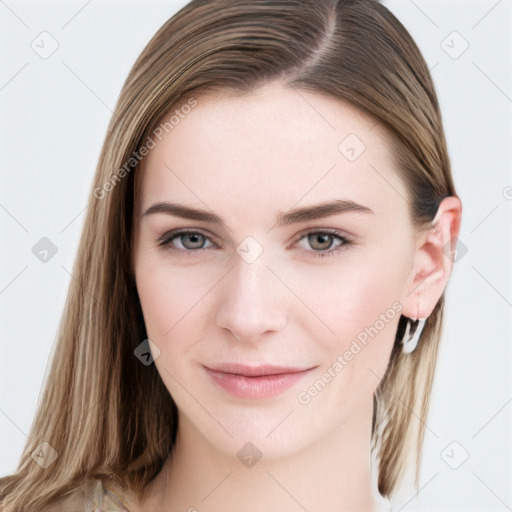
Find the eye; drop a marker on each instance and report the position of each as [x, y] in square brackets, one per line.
[185, 241]
[325, 242]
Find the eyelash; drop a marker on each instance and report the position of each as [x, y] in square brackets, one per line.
[166, 239]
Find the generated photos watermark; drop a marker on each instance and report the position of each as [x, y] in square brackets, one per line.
[150, 143]
[342, 360]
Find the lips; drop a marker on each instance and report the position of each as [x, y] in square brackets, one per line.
[255, 371]
[253, 382]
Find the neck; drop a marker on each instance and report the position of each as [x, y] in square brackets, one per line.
[334, 474]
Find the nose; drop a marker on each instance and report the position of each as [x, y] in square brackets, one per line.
[251, 301]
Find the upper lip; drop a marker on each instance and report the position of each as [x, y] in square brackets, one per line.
[255, 370]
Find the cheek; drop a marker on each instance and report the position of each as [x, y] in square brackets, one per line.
[355, 309]
[351, 295]
[175, 307]
[170, 296]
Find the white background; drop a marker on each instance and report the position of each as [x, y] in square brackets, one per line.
[54, 114]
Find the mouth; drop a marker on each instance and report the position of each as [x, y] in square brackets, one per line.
[254, 382]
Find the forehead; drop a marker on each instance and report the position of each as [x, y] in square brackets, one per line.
[267, 150]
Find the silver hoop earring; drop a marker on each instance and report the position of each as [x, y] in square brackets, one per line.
[412, 334]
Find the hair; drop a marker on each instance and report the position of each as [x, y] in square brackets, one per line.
[110, 417]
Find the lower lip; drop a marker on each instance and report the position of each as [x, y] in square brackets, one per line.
[255, 387]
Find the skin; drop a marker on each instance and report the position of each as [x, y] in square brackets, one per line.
[247, 159]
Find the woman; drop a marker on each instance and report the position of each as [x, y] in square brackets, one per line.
[259, 288]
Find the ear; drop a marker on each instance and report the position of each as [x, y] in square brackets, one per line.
[433, 260]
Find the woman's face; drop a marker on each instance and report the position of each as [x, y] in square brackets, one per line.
[282, 245]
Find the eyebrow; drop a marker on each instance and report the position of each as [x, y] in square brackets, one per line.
[302, 214]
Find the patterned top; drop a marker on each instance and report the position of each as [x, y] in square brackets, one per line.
[104, 500]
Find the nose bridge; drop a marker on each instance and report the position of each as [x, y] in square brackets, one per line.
[249, 303]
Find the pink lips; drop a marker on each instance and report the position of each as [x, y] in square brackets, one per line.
[255, 381]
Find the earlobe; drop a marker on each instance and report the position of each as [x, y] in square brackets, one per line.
[433, 261]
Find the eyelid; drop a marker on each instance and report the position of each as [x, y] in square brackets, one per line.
[345, 238]
[329, 231]
[164, 241]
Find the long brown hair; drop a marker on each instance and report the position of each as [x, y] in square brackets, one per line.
[106, 415]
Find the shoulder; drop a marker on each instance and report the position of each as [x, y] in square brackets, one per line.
[105, 500]
[92, 496]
